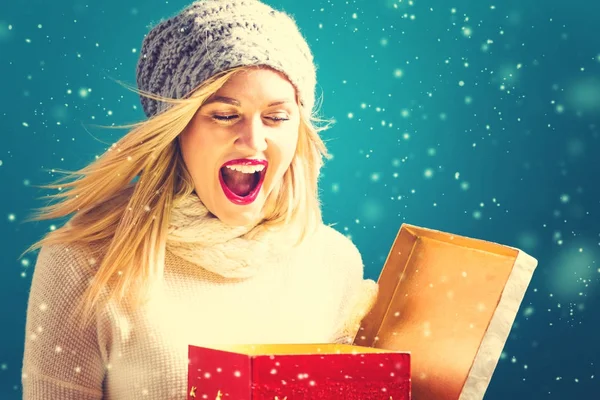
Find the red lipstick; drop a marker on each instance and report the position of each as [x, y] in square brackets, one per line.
[250, 197]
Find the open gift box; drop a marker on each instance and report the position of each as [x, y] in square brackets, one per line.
[297, 372]
[451, 301]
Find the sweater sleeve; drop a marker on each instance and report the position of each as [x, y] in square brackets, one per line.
[358, 294]
[60, 361]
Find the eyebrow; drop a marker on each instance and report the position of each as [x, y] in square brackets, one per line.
[234, 102]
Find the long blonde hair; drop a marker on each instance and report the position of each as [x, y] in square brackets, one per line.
[132, 230]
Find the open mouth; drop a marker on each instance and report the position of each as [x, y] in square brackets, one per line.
[242, 179]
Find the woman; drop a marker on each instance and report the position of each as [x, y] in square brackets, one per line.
[201, 225]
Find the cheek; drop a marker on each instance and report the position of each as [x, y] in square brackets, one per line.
[288, 148]
[284, 154]
[194, 154]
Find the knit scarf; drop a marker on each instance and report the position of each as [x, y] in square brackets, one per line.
[200, 238]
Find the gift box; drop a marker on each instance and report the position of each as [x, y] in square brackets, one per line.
[451, 301]
[297, 372]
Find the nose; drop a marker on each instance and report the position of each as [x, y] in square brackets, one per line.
[251, 136]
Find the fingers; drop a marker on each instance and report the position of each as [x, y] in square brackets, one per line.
[364, 300]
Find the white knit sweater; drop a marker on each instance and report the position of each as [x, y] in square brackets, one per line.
[143, 354]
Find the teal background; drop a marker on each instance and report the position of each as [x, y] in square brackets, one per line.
[479, 118]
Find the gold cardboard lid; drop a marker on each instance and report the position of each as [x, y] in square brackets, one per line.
[297, 349]
[451, 302]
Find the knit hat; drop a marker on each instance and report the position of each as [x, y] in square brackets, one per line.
[212, 36]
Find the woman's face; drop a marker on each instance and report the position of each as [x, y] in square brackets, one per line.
[240, 143]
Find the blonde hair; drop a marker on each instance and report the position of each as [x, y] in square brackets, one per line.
[132, 230]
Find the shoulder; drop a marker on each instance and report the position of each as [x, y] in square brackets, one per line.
[66, 264]
[80, 253]
[64, 252]
[339, 250]
[61, 276]
[338, 242]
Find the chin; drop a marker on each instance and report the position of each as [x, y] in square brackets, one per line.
[238, 220]
[235, 215]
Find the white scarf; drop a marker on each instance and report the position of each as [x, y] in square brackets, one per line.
[199, 237]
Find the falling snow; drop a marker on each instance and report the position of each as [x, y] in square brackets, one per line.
[481, 120]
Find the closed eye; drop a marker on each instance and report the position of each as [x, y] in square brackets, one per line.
[228, 118]
[224, 117]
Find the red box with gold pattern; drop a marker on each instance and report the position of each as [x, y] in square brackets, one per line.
[298, 372]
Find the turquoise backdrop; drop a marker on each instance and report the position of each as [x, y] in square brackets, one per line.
[479, 118]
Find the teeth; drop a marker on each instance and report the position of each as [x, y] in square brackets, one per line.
[247, 169]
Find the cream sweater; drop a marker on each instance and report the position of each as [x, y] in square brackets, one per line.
[143, 354]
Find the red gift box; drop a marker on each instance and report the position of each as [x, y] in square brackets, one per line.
[298, 372]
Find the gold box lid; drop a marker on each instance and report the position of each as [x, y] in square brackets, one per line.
[450, 301]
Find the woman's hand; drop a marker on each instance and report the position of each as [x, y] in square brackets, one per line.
[360, 304]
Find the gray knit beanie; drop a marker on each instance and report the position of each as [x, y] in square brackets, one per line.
[212, 36]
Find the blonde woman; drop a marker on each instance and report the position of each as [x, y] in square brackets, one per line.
[200, 226]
